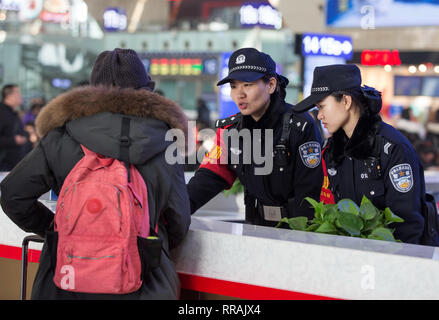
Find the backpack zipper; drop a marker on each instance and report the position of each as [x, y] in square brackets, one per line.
[73, 192]
[118, 202]
[70, 257]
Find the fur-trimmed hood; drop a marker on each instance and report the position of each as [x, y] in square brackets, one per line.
[362, 143]
[92, 116]
[88, 100]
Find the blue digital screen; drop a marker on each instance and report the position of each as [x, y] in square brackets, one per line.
[115, 19]
[416, 86]
[314, 44]
[260, 14]
[227, 106]
[61, 83]
[430, 86]
[407, 86]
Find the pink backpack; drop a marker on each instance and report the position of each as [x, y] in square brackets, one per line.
[99, 216]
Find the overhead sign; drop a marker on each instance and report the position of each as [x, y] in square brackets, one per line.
[61, 83]
[327, 45]
[260, 14]
[56, 11]
[30, 9]
[380, 58]
[181, 66]
[115, 19]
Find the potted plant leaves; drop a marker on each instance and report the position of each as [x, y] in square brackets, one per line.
[346, 218]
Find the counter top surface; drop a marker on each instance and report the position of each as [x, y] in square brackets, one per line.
[294, 261]
[313, 238]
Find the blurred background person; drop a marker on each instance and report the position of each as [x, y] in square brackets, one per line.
[203, 114]
[31, 115]
[410, 127]
[13, 137]
[432, 127]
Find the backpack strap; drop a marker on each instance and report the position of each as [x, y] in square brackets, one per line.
[280, 151]
[286, 127]
[125, 143]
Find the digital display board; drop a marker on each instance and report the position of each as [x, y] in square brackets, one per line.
[115, 19]
[416, 86]
[180, 65]
[407, 86]
[314, 44]
[380, 58]
[259, 14]
[430, 86]
[184, 67]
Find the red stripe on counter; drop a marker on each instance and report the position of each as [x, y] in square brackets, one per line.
[11, 252]
[198, 283]
[242, 290]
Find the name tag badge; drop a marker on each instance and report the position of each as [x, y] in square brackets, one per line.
[272, 213]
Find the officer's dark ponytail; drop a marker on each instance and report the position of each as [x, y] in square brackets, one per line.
[366, 98]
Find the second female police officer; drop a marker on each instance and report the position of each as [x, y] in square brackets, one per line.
[295, 173]
[365, 156]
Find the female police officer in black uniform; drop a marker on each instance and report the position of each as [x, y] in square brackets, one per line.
[366, 156]
[296, 172]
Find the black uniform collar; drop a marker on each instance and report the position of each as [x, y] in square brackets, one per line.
[360, 145]
[271, 117]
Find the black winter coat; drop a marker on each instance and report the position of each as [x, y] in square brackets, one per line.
[91, 116]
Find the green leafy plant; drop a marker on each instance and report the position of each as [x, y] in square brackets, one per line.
[236, 188]
[348, 219]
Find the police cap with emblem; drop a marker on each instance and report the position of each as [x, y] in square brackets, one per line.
[329, 79]
[248, 64]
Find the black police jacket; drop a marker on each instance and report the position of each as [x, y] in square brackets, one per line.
[284, 186]
[381, 164]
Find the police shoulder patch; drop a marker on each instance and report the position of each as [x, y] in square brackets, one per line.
[310, 153]
[401, 177]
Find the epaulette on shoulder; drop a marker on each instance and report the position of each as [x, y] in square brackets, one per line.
[299, 122]
[221, 123]
[387, 145]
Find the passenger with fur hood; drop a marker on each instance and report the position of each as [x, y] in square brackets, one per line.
[91, 116]
[365, 156]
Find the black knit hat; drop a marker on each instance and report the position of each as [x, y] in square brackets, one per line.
[120, 68]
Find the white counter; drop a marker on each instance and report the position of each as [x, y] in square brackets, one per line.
[307, 262]
[267, 260]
